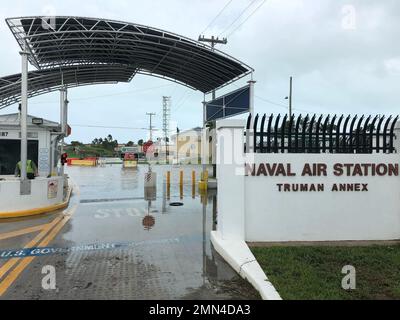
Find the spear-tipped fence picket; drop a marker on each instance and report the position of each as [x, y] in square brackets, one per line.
[321, 134]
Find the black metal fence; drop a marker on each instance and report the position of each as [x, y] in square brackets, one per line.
[321, 134]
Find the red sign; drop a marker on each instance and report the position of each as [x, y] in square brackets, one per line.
[148, 147]
[130, 157]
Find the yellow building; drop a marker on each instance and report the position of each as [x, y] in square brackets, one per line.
[187, 146]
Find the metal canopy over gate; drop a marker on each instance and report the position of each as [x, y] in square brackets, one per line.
[75, 51]
[49, 80]
[71, 41]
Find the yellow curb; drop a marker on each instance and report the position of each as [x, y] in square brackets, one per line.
[37, 211]
[46, 236]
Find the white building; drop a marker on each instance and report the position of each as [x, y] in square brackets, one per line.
[40, 135]
[48, 188]
[187, 145]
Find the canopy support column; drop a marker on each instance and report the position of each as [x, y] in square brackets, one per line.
[25, 184]
[66, 102]
[63, 120]
[204, 138]
[252, 95]
[251, 132]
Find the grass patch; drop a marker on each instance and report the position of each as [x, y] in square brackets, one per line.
[90, 151]
[314, 273]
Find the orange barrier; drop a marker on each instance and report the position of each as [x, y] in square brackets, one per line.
[69, 161]
[84, 162]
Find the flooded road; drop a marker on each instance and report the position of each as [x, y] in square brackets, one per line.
[119, 241]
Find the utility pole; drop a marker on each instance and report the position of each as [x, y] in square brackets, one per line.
[177, 145]
[290, 98]
[151, 115]
[214, 41]
[166, 123]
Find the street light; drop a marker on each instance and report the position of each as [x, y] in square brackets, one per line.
[290, 97]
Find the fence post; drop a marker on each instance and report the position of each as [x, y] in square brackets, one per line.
[230, 172]
[397, 138]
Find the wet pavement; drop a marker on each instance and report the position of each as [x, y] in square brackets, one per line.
[117, 241]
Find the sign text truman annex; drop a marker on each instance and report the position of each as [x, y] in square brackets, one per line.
[321, 170]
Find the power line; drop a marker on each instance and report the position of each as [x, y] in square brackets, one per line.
[178, 102]
[247, 19]
[264, 99]
[277, 104]
[281, 105]
[110, 95]
[241, 14]
[123, 93]
[271, 102]
[109, 127]
[218, 15]
[183, 102]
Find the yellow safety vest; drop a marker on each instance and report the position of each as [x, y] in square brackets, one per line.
[29, 167]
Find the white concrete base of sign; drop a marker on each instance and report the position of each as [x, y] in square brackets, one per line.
[241, 259]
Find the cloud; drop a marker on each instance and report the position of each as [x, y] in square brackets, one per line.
[336, 68]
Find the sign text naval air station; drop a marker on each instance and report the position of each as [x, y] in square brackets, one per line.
[323, 170]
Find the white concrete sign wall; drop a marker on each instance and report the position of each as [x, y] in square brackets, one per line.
[324, 197]
[305, 197]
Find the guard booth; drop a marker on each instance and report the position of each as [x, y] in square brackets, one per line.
[47, 189]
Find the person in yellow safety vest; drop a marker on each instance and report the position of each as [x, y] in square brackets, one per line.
[31, 170]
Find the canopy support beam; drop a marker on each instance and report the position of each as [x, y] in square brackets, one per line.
[25, 185]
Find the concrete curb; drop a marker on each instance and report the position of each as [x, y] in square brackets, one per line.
[37, 211]
[241, 259]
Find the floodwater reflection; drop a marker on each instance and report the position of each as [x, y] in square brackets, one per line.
[173, 241]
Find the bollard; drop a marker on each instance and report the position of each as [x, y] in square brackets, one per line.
[206, 176]
[203, 184]
[193, 184]
[169, 179]
[203, 197]
[181, 183]
[193, 178]
[169, 185]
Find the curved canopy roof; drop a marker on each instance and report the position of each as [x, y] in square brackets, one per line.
[48, 80]
[72, 41]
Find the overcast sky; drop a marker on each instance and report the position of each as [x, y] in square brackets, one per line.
[344, 57]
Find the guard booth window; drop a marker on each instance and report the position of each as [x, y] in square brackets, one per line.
[10, 154]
